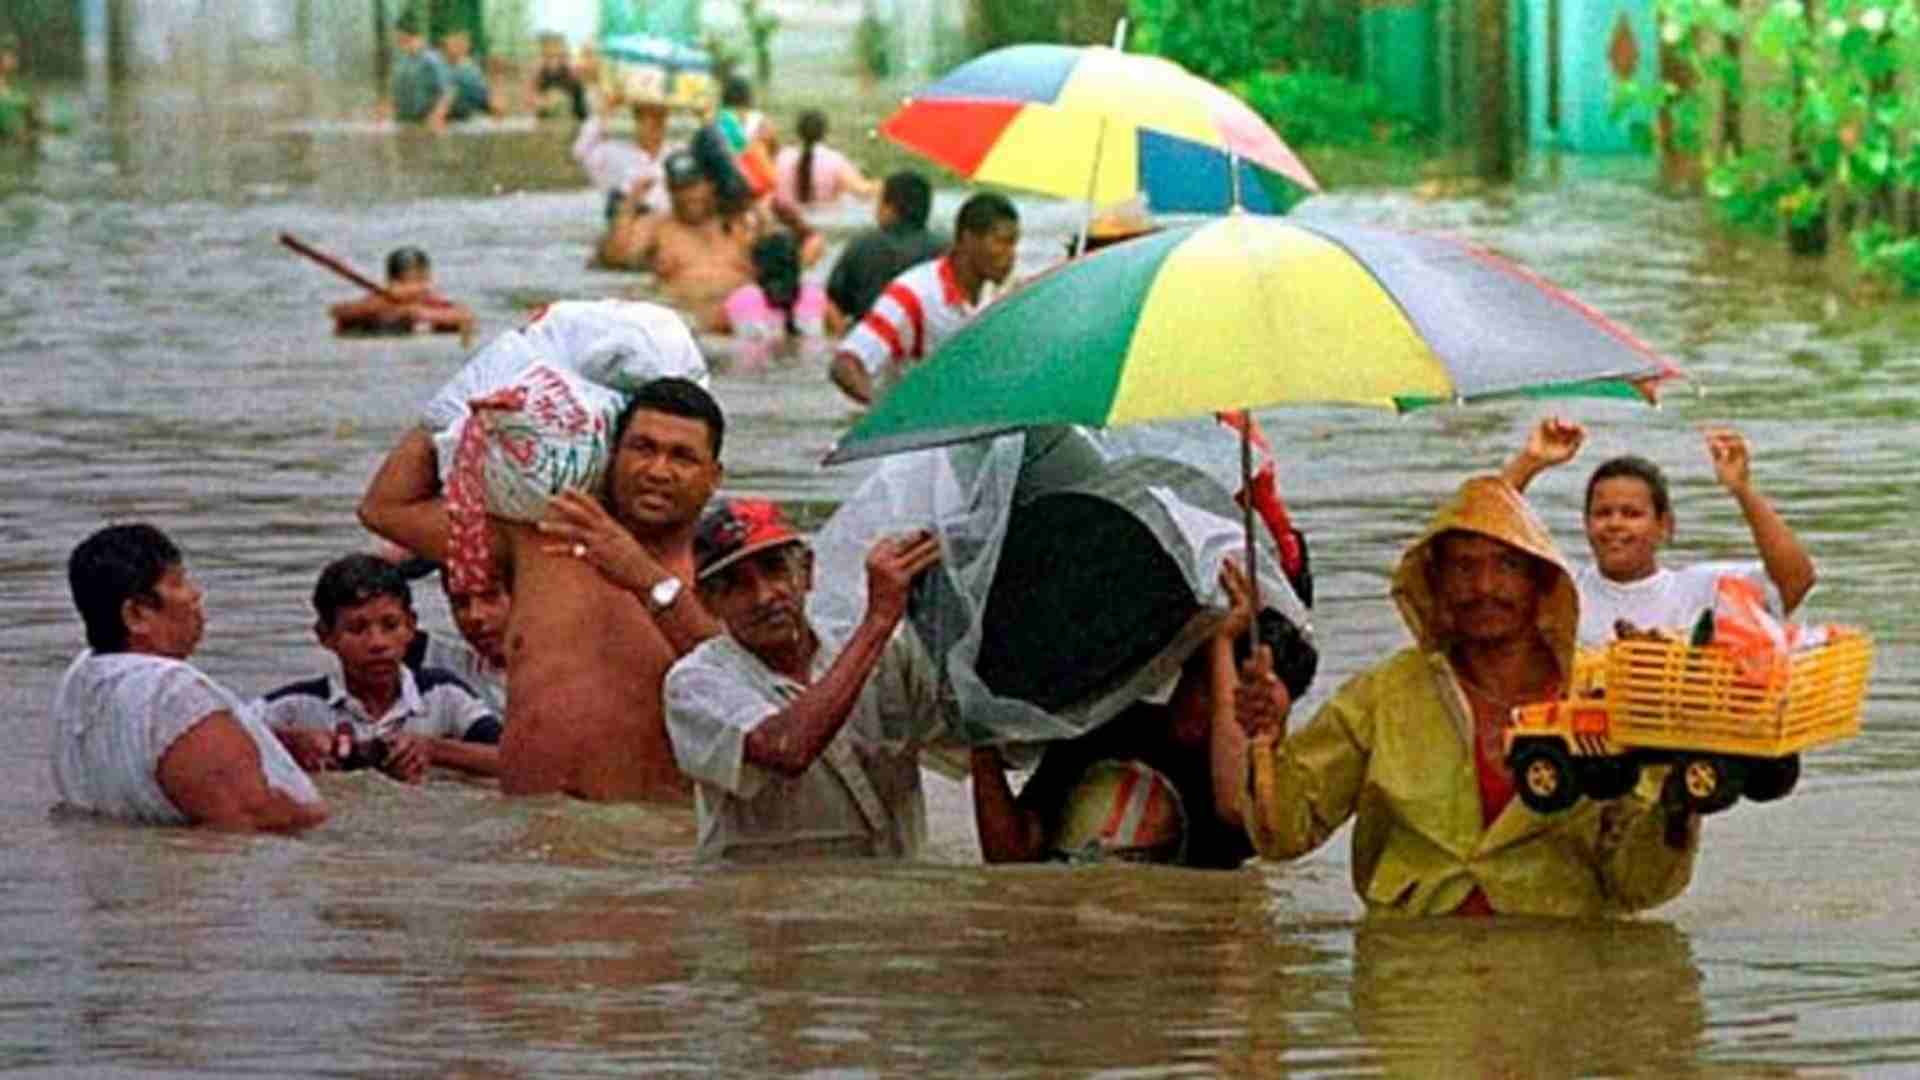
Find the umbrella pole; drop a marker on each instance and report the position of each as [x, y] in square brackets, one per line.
[1093, 187]
[1246, 510]
[1233, 179]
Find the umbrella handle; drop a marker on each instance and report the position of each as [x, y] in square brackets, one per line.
[1246, 509]
[1120, 35]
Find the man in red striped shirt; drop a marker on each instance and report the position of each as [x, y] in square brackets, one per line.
[925, 305]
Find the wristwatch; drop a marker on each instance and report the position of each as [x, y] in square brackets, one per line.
[663, 594]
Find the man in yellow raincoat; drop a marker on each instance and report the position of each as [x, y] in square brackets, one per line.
[1410, 747]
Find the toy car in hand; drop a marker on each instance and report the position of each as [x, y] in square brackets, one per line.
[1729, 727]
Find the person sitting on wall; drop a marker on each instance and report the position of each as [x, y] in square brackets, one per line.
[421, 90]
[555, 88]
[471, 95]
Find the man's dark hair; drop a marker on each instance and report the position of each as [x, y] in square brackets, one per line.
[114, 565]
[675, 397]
[1639, 468]
[404, 260]
[910, 196]
[356, 579]
[410, 21]
[736, 92]
[983, 211]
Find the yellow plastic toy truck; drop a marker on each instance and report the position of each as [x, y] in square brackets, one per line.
[1727, 729]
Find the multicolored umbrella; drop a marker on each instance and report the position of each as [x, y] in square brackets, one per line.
[1247, 311]
[1102, 125]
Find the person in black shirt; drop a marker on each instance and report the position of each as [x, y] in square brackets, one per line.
[877, 256]
[554, 80]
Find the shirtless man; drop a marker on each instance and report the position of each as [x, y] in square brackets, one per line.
[699, 255]
[602, 604]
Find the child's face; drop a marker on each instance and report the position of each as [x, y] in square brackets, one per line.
[412, 284]
[553, 53]
[370, 637]
[649, 124]
[456, 46]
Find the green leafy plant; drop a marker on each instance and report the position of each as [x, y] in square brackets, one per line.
[1220, 40]
[1315, 109]
[1894, 257]
[1847, 120]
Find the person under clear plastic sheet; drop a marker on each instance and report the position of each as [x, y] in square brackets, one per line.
[1041, 649]
[1162, 809]
[1037, 496]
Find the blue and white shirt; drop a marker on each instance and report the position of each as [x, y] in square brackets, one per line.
[435, 705]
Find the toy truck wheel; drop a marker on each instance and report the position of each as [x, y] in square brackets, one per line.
[1605, 778]
[1543, 777]
[1772, 778]
[1709, 782]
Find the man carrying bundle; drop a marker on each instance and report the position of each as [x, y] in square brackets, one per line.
[601, 598]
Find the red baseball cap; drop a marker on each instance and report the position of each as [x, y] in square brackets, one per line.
[733, 529]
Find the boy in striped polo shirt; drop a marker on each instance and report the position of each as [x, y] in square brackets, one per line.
[374, 700]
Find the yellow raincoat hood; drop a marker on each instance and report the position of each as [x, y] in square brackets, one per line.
[1488, 506]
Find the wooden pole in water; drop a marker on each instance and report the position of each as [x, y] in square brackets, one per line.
[337, 266]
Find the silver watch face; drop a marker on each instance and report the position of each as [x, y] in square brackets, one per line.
[666, 592]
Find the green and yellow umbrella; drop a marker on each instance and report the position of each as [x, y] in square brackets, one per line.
[1249, 311]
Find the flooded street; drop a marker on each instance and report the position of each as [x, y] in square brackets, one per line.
[162, 358]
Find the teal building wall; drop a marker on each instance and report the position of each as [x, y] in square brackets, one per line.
[1568, 75]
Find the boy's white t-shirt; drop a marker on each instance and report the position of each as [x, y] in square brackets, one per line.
[1667, 598]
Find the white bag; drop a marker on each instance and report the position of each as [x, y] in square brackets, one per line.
[570, 370]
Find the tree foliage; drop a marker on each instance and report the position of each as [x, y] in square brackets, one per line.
[1219, 39]
[1846, 101]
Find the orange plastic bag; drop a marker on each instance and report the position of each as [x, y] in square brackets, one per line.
[1759, 643]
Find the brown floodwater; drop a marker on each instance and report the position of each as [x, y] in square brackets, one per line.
[162, 358]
